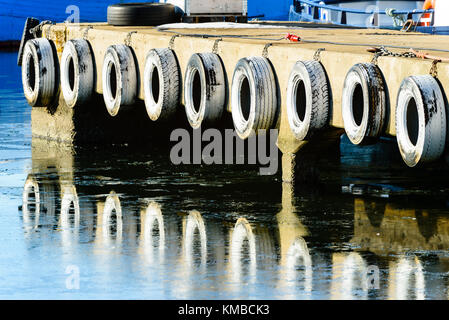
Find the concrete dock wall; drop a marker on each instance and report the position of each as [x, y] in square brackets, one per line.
[337, 60]
[339, 50]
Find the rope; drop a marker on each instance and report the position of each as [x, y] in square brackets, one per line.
[368, 45]
[231, 36]
[265, 50]
[257, 37]
[215, 47]
[317, 54]
[409, 25]
[398, 19]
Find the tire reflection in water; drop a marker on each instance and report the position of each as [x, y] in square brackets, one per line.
[349, 277]
[70, 216]
[242, 247]
[31, 204]
[406, 279]
[112, 223]
[194, 239]
[153, 234]
[298, 255]
[40, 203]
[192, 265]
[383, 231]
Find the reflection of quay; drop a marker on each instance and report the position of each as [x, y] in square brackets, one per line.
[384, 228]
[242, 250]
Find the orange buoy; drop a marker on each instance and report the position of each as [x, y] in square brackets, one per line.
[426, 18]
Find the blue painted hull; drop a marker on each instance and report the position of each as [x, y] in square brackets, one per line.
[13, 13]
[274, 10]
[359, 13]
[354, 19]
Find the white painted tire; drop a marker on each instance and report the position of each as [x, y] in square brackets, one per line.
[204, 89]
[307, 99]
[253, 96]
[40, 73]
[161, 84]
[420, 120]
[364, 103]
[119, 78]
[77, 72]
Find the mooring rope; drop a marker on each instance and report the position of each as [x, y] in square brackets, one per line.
[232, 36]
[302, 40]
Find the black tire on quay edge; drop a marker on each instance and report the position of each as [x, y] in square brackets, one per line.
[141, 14]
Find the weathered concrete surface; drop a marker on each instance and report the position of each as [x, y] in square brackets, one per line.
[337, 59]
[53, 124]
[91, 123]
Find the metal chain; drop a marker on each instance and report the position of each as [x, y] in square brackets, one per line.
[265, 50]
[317, 54]
[215, 47]
[375, 58]
[86, 31]
[434, 69]
[34, 31]
[384, 52]
[171, 43]
[128, 38]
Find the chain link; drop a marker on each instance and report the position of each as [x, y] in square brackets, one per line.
[171, 43]
[86, 31]
[34, 31]
[128, 38]
[434, 69]
[387, 53]
[384, 52]
[215, 47]
[317, 54]
[265, 50]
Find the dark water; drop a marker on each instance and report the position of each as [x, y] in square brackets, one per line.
[135, 226]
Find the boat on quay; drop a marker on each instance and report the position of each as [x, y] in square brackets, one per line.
[346, 13]
[421, 16]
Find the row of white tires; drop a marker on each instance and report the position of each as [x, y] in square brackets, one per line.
[420, 110]
[253, 93]
[421, 125]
